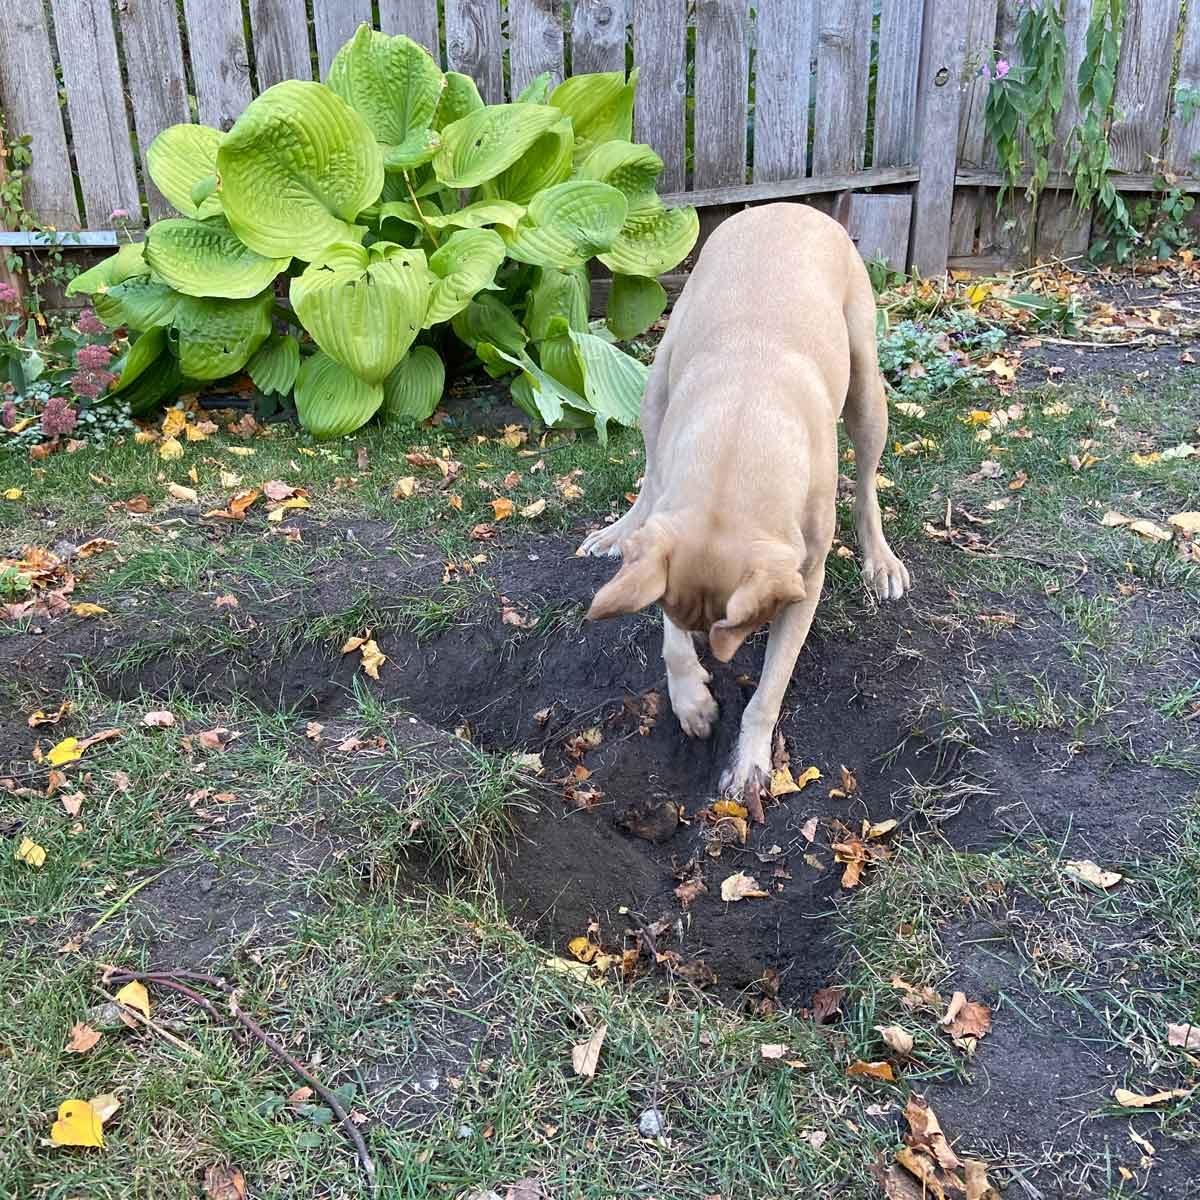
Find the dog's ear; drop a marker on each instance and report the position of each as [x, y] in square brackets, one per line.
[641, 580]
[759, 596]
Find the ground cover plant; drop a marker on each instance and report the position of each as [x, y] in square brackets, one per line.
[321, 724]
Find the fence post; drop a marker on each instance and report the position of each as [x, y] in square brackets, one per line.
[939, 91]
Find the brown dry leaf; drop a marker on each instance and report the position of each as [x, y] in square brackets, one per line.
[586, 1055]
[1018, 481]
[159, 719]
[83, 1038]
[926, 1133]
[179, 492]
[483, 532]
[852, 854]
[897, 1038]
[966, 1018]
[978, 1185]
[72, 804]
[1089, 872]
[224, 1183]
[238, 504]
[1151, 531]
[1128, 1099]
[276, 489]
[534, 510]
[502, 506]
[878, 829]
[227, 601]
[404, 488]
[579, 744]
[808, 831]
[94, 546]
[1185, 1036]
[827, 1004]
[741, 886]
[690, 889]
[49, 718]
[1187, 523]
[872, 1070]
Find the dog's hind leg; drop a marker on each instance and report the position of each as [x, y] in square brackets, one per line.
[866, 420]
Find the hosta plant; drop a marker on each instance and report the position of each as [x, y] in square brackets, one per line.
[343, 237]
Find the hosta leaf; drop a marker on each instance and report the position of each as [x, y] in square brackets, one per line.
[149, 373]
[531, 397]
[275, 363]
[549, 396]
[653, 241]
[600, 106]
[537, 90]
[557, 293]
[116, 268]
[545, 163]
[296, 170]
[181, 157]
[395, 86]
[559, 358]
[460, 99]
[479, 146]
[613, 381]
[217, 337]
[412, 391]
[634, 304]
[137, 360]
[364, 307]
[203, 189]
[140, 302]
[633, 169]
[488, 319]
[332, 401]
[464, 264]
[206, 258]
[479, 214]
[566, 225]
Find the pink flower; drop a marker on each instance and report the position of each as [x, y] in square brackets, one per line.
[89, 323]
[8, 414]
[1001, 68]
[58, 417]
[118, 214]
[90, 383]
[93, 358]
[8, 294]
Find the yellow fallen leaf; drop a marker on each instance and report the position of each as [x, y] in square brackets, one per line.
[583, 949]
[882, 482]
[1186, 522]
[85, 609]
[230, 479]
[729, 808]
[807, 776]
[78, 1125]
[1001, 368]
[978, 416]
[1128, 1099]
[66, 751]
[239, 451]
[354, 643]
[49, 718]
[186, 494]
[1090, 872]
[872, 1070]
[282, 509]
[404, 487]
[1145, 460]
[1150, 530]
[535, 509]
[170, 449]
[916, 411]
[782, 782]
[741, 887]
[83, 1038]
[578, 971]
[30, 853]
[145, 436]
[174, 422]
[1113, 518]
[134, 995]
[879, 829]
[977, 293]
[503, 508]
[372, 658]
[13, 493]
[585, 1057]
[897, 1037]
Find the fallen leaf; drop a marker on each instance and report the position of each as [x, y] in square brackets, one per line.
[13, 493]
[1150, 530]
[72, 804]
[879, 829]
[534, 510]
[897, 1037]
[966, 1018]
[1186, 1036]
[690, 889]
[66, 751]
[227, 601]
[652, 819]
[1089, 872]
[170, 449]
[740, 887]
[160, 719]
[52, 718]
[976, 1181]
[86, 609]
[808, 831]
[83, 1038]
[186, 494]
[872, 1070]
[503, 508]
[1018, 481]
[78, 1124]
[224, 1183]
[782, 782]
[586, 1055]
[404, 488]
[909, 409]
[1128, 1099]
[134, 995]
[582, 948]
[729, 808]
[30, 853]
[827, 1004]
[372, 658]
[1187, 523]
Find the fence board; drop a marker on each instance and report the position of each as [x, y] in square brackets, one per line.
[896, 83]
[220, 68]
[280, 32]
[660, 50]
[722, 89]
[782, 80]
[598, 36]
[29, 101]
[942, 51]
[96, 102]
[154, 61]
[843, 66]
[334, 22]
[473, 45]
[1183, 136]
[878, 225]
[1143, 83]
[417, 19]
[535, 41]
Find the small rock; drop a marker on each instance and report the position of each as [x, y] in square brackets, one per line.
[651, 1123]
[465, 1133]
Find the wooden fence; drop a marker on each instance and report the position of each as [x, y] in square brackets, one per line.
[872, 109]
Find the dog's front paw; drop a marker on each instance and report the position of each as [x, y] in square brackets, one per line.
[693, 704]
[602, 543]
[748, 773]
[885, 574]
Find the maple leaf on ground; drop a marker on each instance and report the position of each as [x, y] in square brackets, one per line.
[966, 1018]
[83, 1038]
[741, 886]
[827, 1004]
[585, 1056]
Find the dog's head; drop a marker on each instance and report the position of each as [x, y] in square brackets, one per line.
[725, 590]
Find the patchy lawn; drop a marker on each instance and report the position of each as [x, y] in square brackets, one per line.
[427, 888]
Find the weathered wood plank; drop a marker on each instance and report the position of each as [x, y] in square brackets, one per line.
[220, 67]
[843, 67]
[878, 226]
[473, 45]
[943, 43]
[783, 189]
[29, 103]
[535, 41]
[980, 41]
[896, 82]
[722, 90]
[598, 36]
[96, 102]
[1143, 83]
[782, 81]
[335, 22]
[1062, 181]
[154, 62]
[417, 19]
[660, 50]
[1183, 135]
[281, 49]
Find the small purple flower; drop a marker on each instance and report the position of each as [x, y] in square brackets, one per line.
[58, 417]
[1001, 68]
[119, 214]
[8, 294]
[90, 384]
[985, 72]
[8, 414]
[93, 358]
[89, 323]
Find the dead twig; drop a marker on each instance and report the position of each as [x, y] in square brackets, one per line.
[171, 981]
[151, 1024]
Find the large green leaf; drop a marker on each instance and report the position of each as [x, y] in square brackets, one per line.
[296, 170]
[634, 304]
[464, 264]
[479, 146]
[600, 106]
[412, 391]
[206, 258]
[566, 225]
[480, 214]
[116, 268]
[559, 359]
[632, 169]
[613, 381]
[275, 363]
[557, 293]
[138, 359]
[537, 90]
[548, 395]
[545, 163]
[179, 159]
[364, 307]
[488, 319]
[652, 241]
[395, 86]
[460, 98]
[140, 302]
[332, 401]
[148, 373]
[217, 337]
